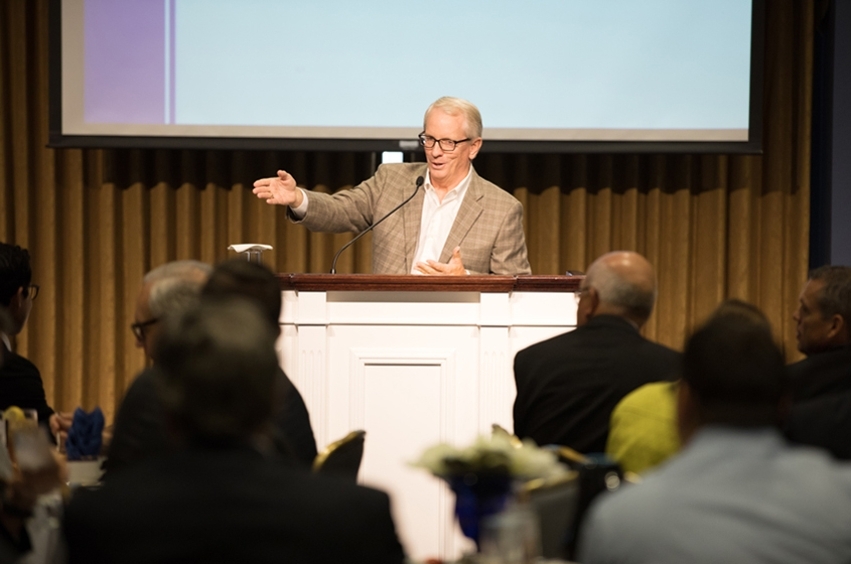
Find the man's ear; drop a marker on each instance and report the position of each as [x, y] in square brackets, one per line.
[838, 329]
[17, 299]
[593, 301]
[476, 146]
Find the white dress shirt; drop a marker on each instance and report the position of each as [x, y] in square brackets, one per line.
[437, 219]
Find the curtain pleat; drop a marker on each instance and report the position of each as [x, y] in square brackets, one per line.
[714, 226]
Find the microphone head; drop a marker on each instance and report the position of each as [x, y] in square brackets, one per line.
[420, 181]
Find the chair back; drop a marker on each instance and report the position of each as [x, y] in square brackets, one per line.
[597, 475]
[342, 458]
[554, 502]
[499, 430]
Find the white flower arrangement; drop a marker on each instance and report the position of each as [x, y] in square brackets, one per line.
[498, 454]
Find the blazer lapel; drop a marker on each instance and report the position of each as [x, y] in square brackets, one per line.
[468, 213]
[413, 215]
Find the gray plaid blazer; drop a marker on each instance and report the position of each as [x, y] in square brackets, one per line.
[488, 228]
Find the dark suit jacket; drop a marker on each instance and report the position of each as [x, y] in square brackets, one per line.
[488, 227]
[229, 506]
[140, 427]
[821, 409]
[568, 386]
[21, 385]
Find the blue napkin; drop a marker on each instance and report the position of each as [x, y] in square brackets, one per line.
[85, 435]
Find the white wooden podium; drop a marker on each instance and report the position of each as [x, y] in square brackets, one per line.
[414, 360]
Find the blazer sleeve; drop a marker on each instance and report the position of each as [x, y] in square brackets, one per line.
[345, 211]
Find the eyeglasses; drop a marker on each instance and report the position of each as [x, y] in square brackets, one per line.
[428, 142]
[138, 328]
[32, 290]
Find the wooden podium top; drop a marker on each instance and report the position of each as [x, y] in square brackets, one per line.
[414, 283]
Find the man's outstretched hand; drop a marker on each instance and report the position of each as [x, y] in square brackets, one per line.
[279, 190]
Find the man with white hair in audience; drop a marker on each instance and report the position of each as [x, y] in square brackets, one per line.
[567, 386]
[223, 495]
[737, 492]
[139, 431]
[140, 426]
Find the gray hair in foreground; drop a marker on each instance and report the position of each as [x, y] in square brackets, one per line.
[218, 368]
[455, 106]
[175, 286]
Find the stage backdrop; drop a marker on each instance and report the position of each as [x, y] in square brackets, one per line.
[95, 221]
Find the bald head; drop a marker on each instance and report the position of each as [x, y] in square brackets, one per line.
[619, 283]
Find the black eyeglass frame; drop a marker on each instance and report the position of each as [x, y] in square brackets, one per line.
[424, 141]
[138, 328]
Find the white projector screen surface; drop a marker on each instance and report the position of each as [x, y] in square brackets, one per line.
[539, 70]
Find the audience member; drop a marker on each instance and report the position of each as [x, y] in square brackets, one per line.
[736, 492]
[20, 379]
[139, 430]
[568, 386]
[19, 490]
[250, 280]
[821, 383]
[222, 497]
[643, 429]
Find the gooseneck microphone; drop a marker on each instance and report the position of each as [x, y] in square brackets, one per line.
[420, 181]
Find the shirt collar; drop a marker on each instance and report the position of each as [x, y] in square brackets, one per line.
[5, 338]
[460, 187]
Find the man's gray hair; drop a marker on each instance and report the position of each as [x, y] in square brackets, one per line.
[455, 106]
[175, 286]
[636, 300]
[217, 382]
[835, 297]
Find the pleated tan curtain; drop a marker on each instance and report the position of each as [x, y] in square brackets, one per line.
[715, 226]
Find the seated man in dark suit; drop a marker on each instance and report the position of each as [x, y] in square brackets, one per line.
[139, 431]
[821, 383]
[168, 290]
[224, 497]
[568, 386]
[736, 492]
[20, 379]
[255, 282]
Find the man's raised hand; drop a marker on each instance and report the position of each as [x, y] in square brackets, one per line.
[279, 190]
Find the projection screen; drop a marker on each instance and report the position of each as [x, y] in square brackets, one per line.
[547, 75]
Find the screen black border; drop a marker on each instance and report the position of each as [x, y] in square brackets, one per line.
[56, 139]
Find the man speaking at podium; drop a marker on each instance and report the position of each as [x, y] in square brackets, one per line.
[459, 224]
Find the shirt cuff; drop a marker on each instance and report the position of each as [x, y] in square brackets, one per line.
[300, 211]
